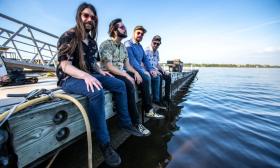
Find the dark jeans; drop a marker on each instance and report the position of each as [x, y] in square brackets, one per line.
[167, 79]
[145, 91]
[155, 84]
[132, 106]
[96, 102]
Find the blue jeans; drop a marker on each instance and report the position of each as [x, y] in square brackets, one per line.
[156, 88]
[145, 86]
[132, 105]
[167, 79]
[96, 102]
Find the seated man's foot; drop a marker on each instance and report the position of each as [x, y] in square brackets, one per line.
[165, 103]
[167, 99]
[152, 114]
[143, 130]
[111, 157]
[159, 105]
[133, 131]
[170, 103]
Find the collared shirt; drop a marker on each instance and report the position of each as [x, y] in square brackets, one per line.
[136, 55]
[90, 53]
[153, 57]
[111, 51]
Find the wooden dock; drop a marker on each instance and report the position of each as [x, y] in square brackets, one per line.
[37, 133]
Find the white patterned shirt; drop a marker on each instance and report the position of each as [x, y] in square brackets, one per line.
[153, 57]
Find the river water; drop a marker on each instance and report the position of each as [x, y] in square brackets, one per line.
[228, 117]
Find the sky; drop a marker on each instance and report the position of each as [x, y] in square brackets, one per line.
[195, 31]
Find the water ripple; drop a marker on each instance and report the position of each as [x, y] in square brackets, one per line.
[231, 118]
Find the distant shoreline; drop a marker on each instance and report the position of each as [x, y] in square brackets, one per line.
[228, 65]
[232, 65]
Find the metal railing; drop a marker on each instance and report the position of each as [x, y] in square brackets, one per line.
[28, 49]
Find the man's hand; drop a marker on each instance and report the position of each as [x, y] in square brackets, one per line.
[147, 73]
[91, 82]
[105, 73]
[4, 78]
[130, 78]
[158, 73]
[138, 78]
[166, 72]
[153, 73]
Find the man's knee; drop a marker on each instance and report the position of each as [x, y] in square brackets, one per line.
[130, 87]
[95, 94]
[157, 78]
[119, 84]
[146, 78]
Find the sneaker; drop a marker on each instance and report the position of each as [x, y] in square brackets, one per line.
[166, 99]
[133, 131]
[153, 114]
[159, 105]
[111, 157]
[143, 130]
[166, 103]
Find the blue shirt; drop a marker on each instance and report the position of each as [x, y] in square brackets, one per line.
[136, 55]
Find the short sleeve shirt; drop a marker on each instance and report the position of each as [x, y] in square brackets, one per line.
[153, 57]
[113, 52]
[90, 53]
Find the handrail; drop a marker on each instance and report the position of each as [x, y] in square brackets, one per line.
[27, 43]
[27, 25]
[20, 35]
[18, 41]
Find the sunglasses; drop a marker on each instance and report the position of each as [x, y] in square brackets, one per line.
[155, 43]
[122, 27]
[86, 15]
[140, 33]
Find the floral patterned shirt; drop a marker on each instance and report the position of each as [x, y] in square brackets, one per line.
[111, 51]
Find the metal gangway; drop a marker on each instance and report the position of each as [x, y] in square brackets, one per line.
[26, 46]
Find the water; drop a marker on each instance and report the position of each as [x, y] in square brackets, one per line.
[230, 117]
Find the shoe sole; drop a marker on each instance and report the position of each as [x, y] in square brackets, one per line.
[160, 107]
[134, 134]
[115, 165]
[146, 135]
[157, 118]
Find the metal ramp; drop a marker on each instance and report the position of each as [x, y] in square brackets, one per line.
[25, 46]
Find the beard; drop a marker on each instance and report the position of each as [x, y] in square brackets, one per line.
[89, 26]
[138, 39]
[122, 35]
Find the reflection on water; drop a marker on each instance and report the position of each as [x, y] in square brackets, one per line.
[231, 119]
[228, 118]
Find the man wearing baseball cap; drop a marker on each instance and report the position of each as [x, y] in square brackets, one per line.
[153, 56]
[137, 58]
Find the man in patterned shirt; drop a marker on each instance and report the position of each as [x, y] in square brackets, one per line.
[153, 56]
[114, 58]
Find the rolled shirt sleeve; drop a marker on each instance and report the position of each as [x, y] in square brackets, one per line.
[63, 46]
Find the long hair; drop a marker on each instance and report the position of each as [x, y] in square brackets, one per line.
[80, 35]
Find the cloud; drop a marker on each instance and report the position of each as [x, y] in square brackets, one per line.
[269, 50]
[250, 28]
